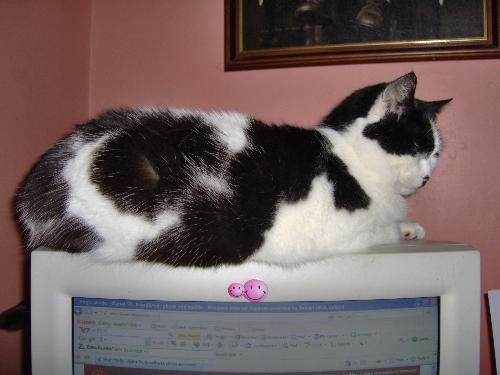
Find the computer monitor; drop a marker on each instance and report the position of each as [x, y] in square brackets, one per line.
[407, 308]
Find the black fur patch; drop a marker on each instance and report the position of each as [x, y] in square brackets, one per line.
[69, 234]
[43, 197]
[348, 194]
[42, 193]
[356, 105]
[410, 134]
[279, 166]
[147, 164]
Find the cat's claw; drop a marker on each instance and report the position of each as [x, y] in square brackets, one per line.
[411, 231]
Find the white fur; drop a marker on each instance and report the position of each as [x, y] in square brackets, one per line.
[313, 228]
[230, 127]
[214, 184]
[211, 180]
[181, 112]
[377, 111]
[36, 228]
[121, 232]
[366, 161]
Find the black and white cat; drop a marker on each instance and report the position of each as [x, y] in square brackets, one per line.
[202, 189]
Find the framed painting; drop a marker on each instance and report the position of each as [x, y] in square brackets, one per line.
[280, 33]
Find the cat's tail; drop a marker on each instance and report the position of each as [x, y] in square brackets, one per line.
[16, 318]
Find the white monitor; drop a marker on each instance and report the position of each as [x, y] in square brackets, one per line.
[407, 308]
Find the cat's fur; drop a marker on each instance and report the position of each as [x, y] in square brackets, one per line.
[203, 189]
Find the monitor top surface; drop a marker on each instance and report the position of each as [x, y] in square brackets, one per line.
[391, 258]
[419, 246]
[402, 247]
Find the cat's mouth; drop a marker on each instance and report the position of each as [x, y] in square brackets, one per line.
[407, 192]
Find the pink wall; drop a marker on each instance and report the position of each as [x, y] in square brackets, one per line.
[170, 52]
[43, 89]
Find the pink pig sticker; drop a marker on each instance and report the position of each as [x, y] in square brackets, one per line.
[253, 290]
[235, 290]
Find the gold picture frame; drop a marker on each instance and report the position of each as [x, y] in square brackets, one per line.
[286, 33]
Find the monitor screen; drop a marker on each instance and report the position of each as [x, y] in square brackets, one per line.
[373, 337]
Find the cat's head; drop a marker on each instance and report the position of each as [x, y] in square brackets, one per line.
[391, 129]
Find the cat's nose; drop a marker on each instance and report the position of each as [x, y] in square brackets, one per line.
[424, 181]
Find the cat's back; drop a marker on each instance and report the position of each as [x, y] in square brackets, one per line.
[151, 169]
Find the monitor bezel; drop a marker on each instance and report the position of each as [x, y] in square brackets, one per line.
[448, 271]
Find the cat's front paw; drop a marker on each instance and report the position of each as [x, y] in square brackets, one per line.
[411, 231]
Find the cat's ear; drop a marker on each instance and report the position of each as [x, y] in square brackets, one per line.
[400, 93]
[432, 108]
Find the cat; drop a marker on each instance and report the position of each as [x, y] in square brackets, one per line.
[203, 189]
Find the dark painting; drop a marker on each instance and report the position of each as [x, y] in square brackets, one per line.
[301, 23]
[264, 33]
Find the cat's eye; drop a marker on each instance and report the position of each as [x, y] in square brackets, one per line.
[437, 154]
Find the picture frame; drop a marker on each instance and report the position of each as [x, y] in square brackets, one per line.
[289, 33]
